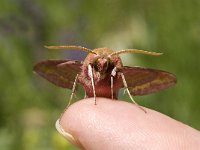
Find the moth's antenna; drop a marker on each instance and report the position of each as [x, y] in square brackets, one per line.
[71, 47]
[135, 51]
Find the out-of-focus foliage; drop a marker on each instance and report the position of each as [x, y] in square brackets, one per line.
[29, 105]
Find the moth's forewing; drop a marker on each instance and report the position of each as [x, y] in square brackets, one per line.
[59, 72]
[142, 81]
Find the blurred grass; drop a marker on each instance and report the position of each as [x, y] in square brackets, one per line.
[29, 106]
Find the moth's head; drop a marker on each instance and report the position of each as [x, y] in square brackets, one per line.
[102, 64]
[101, 60]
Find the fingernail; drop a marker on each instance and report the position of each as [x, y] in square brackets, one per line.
[68, 136]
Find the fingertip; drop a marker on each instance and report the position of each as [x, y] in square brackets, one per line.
[113, 124]
[67, 135]
[90, 123]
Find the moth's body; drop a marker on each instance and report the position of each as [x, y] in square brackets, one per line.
[102, 64]
[102, 74]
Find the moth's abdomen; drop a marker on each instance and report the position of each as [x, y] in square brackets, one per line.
[102, 87]
[101, 91]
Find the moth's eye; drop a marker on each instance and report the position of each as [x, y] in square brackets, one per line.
[100, 65]
[110, 65]
[95, 65]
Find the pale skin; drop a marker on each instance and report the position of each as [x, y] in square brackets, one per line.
[119, 125]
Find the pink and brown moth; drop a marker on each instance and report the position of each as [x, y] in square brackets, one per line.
[102, 74]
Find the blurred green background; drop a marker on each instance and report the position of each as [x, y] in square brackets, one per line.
[29, 105]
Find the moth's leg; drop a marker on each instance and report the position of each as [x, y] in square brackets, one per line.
[124, 92]
[73, 90]
[126, 87]
[111, 86]
[72, 94]
[85, 95]
[90, 73]
[113, 74]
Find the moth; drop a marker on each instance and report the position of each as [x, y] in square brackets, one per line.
[102, 74]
